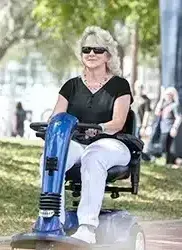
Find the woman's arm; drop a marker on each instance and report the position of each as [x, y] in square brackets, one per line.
[120, 112]
[60, 107]
[158, 108]
[175, 127]
[177, 121]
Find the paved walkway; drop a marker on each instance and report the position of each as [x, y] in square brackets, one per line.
[165, 235]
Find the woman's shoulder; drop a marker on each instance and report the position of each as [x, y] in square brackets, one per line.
[72, 80]
[120, 78]
[121, 87]
[69, 86]
[70, 83]
[120, 83]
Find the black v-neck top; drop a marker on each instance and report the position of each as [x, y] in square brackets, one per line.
[94, 108]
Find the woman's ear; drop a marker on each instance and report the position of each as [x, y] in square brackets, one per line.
[108, 57]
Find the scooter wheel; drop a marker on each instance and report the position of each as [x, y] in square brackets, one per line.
[137, 238]
[43, 245]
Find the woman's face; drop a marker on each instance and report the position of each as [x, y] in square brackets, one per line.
[168, 97]
[90, 58]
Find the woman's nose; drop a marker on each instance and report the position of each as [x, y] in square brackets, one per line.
[92, 52]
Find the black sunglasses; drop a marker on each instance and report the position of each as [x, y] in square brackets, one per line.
[96, 50]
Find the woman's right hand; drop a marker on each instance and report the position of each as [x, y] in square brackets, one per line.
[142, 131]
[173, 132]
[157, 112]
[91, 133]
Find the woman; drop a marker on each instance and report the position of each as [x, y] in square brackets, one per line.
[102, 97]
[20, 116]
[170, 120]
[142, 109]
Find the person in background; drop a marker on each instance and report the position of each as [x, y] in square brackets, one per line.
[169, 123]
[168, 120]
[142, 110]
[20, 116]
[153, 148]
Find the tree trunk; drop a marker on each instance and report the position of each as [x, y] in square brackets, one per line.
[2, 52]
[7, 45]
[121, 55]
[120, 50]
[134, 58]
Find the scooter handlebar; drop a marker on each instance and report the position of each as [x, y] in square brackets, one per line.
[89, 125]
[41, 126]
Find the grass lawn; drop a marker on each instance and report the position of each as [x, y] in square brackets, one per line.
[160, 195]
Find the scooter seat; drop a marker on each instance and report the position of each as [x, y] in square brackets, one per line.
[114, 173]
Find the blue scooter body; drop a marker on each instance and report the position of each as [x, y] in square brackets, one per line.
[48, 226]
[57, 141]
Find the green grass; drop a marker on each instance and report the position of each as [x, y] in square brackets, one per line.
[160, 194]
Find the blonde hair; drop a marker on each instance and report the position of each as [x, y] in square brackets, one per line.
[114, 64]
[173, 92]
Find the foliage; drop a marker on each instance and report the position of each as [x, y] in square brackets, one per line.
[20, 35]
[16, 24]
[159, 196]
[65, 20]
[71, 17]
[58, 55]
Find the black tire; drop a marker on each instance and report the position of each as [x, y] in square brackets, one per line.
[137, 238]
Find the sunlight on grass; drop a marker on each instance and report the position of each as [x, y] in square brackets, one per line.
[160, 193]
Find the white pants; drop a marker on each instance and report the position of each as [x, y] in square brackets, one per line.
[95, 159]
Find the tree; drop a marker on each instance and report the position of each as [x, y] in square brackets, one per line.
[58, 55]
[16, 24]
[71, 17]
[20, 34]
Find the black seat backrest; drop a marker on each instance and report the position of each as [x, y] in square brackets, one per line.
[130, 124]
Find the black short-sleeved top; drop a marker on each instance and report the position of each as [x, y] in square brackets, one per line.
[94, 108]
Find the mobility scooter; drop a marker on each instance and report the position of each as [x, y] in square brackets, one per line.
[117, 229]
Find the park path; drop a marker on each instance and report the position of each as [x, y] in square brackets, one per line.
[163, 235]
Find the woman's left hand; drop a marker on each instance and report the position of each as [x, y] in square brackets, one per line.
[142, 132]
[173, 132]
[91, 132]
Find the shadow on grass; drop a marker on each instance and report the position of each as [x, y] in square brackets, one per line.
[18, 145]
[20, 195]
[161, 177]
[19, 150]
[17, 166]
[18, 206]
[19, 188]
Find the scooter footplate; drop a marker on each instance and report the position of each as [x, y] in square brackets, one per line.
[29, 241]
